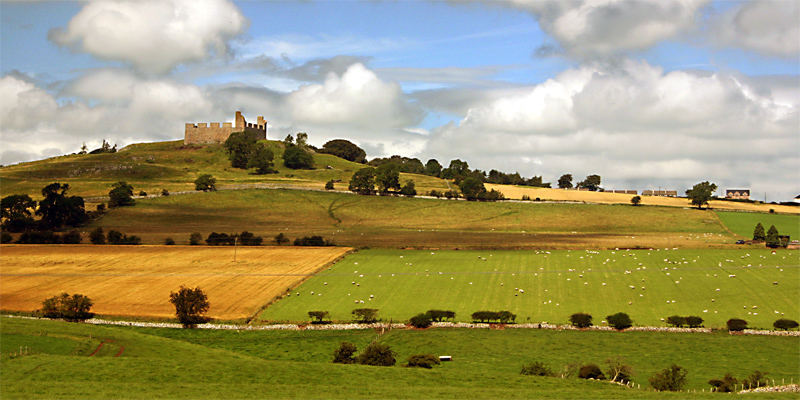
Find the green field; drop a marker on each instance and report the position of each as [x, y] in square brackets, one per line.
[743, 223]
[557, 284]
[174, 363]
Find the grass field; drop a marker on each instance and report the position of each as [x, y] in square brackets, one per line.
[516, 192]
[743, 223]
[646, 284]
[173, 363]
[137, 280]
[377, 221]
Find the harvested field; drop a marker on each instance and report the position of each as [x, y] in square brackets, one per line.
[137, 280]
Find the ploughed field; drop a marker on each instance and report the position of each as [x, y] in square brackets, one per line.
[137, 280]
[62, 360]
[548, 286]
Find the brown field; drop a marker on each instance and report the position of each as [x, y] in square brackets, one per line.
[516, 192]
[137, 280]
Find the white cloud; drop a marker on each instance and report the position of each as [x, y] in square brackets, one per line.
[154, 36]
[771, 27]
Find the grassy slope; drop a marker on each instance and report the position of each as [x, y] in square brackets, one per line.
[225, 364]
[400, 222]
[171, 165]
[404, 283]
[743, 224]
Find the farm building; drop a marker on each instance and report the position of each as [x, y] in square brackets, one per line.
[664, 193]
[623, 191]
[737, 194]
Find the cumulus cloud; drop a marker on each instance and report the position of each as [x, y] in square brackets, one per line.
[592, 28]
[770, 27]
[154, 36]
[634, 124]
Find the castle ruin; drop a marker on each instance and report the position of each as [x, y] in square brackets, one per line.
[213, 133]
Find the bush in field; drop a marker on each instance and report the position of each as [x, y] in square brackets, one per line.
[756, 379]
[73, 308]
[116, 237]
[365, 315]
[190, 305]
[248, 239]
[435, 193]
[121, 194]
[345, 353]
[591, 371]
[420, 321]
[281, 239]
[195, 238]
[206, 183]
[619, 321]
[581, 320]
[312, 241]
[725, 385]
[671, 379]
[164, 192]
[169, 241]
[441, 315]
[694, 321]
[377, 354]
[423, 361]
[97, 236]
[506, 317]
[736, 325]
[676, 321]
[536, 368]
[318, 317]
[785, 324]
[618, 370]
[635, 200]
[329, 185]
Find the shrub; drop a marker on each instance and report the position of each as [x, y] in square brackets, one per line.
[736, 325]
[581, 320]
[591, 371]
[756, 379]
[694, 321]
[120, 195]
[97, 236]
[377, 354]
[619, 321]
[101, 207]
[73, 308]
[312, 241]
[435, 193]
[676, 321]
[206, 183]
[220, 239]
[344, 149]
[506, 317]
[71, 237]
[536, 368]
[248, 239]
[295, 157]
[618, 370]
[329, 185]
[142, 193]
[281, 239]
[6, 237]
[423, 361]
[318, 316]
[671, 379]
[344, 354]
[525, 197]
[408, 189]
[190, 305]
[785, 324]
[164, 192]
[451, 194]
[420, 321]
[725, 385]
[365, 315]
[195, 238]
[169, 241]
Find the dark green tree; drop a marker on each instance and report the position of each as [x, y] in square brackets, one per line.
[206, 183]
[387, 177]
[636, 200]
[195, 239]
[701, 193]
[345, 354]
[329, 185]
[302, 140]
[671, 379]
[772, 239]
[785, 324]
[16, 211]
[239, 146]
[190, 305]
[295, 157]
[57, 210]
[344, 149]
[472, 188]
[281, 239]
[565, 181]
[619, 321]
[377, 354]
[457, 170]
[72, 308]
[363, 181]
[581, 320]
[409, 189]
[758, 233]
[725, 385]
[592, 182]
[318, 317]
[121, 194]
[365, 315]
[433, 168]
[288, 141]
[261, 159]
[96, 236]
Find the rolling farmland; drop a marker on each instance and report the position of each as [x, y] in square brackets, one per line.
[549, 286]
[743, 223]
[137, 280]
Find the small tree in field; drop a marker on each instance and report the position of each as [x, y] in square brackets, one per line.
[736, 325]
[190, 305]
[618, 370]
[73, 308]
[195, 238]
[635, 200]
[671, 379]
[365, 315]
[758, 233]
[676, 321]
[318, 317]
[772, 237]
[785, 324]
[377, 354]
[701, 193]
[121, 195]
[619, 321]
[206, 183]
[581, 320]
[345, 353]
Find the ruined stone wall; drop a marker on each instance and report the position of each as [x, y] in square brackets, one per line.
[213, 133]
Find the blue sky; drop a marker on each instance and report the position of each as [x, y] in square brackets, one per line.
[645, 93]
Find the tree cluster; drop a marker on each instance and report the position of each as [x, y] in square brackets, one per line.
[691, 321]
[728, 383]
[47, 237]
[56, 210]
[312, 241]
[245, 151]
[73, 308]
[344, 149]
[503, 317]
[376, 354]
[242, 239]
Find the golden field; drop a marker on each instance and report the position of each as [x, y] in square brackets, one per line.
[516, 192]
[137, 280]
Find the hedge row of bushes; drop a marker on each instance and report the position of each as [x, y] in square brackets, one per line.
[618, 321]
[378, 354]
[503, 317]
[623, 321]
[44, 237]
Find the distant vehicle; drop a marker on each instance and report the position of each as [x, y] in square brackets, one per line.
[740, 242]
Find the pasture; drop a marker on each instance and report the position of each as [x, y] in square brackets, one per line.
[743, 223]
[176, 363]
[548, 286]
[379, 221]
[137, 280]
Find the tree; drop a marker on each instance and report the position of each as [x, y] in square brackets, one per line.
[190, 305]
[195, 239]
[16, 211]
[433, 168]
[457, 170]
[671, 379]
[318, 316]
[619, 321]
[592, 182]
[261, 159]
[772, 237]
[725, 385]
[755, 380]
[581, 320]
[365, 315]
[758, 233]
[239, 146]
[785, 324]
[472, 188]
[84, 149]
[565, 181]
[302, 140]
[701, 193]
[345, 353]
[295, 157]
[618, 370]
[421, 321]
[591, 371]
[56, 209]
[736, 324]
[344, 149]
[329, 185]
[387, 176]
[694, 321]
[377, 354]
[636, 200]
[73, 308]
[120, 195]
[288, 141]
[676, 321]
[281, 239]
[206, 183]
[363, 181]
[408, 189]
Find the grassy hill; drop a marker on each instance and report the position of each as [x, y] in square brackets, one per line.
[175, 363]
[377, 221]
[743, 223]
